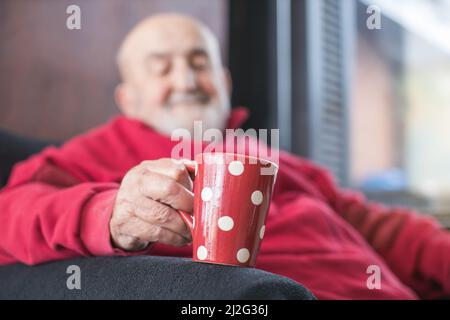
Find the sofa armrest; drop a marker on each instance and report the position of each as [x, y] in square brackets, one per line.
[15, 148]
[145, 277]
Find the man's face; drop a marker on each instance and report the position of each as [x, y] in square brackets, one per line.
[175, 76]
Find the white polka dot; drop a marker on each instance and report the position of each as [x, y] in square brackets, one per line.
[236, 168]
[202, 253]
[243, 255]
[207, 194]
[257, 197]
[261, 232]
[226, 223]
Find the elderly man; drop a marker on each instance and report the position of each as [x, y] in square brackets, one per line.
[114, 190]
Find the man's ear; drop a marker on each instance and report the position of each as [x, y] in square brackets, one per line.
[125, 99]
[228, 80]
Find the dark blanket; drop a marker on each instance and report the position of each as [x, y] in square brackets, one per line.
[145, 277]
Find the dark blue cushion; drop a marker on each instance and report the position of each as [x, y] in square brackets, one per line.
[15, 148]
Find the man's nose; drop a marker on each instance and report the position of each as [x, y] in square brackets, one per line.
[184, 78]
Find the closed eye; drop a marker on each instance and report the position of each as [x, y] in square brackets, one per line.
[158, 64]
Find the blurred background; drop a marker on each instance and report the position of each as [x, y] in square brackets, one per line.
[371, 104]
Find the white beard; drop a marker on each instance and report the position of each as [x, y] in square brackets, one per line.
[212, 116]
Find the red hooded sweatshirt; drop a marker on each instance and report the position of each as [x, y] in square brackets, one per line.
[58, 204]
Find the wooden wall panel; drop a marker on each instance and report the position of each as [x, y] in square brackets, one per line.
[55, 82]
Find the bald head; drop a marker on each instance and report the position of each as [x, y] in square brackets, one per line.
[151, 34]
[172, 75]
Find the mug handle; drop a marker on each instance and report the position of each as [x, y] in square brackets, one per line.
[187, 218]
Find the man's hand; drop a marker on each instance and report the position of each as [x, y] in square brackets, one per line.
[144, 211]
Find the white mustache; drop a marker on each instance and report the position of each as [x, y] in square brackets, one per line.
[198, 97]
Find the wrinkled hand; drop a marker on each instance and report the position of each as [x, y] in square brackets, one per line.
[144, 210]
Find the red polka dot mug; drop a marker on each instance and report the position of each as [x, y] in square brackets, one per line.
[232, 195]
